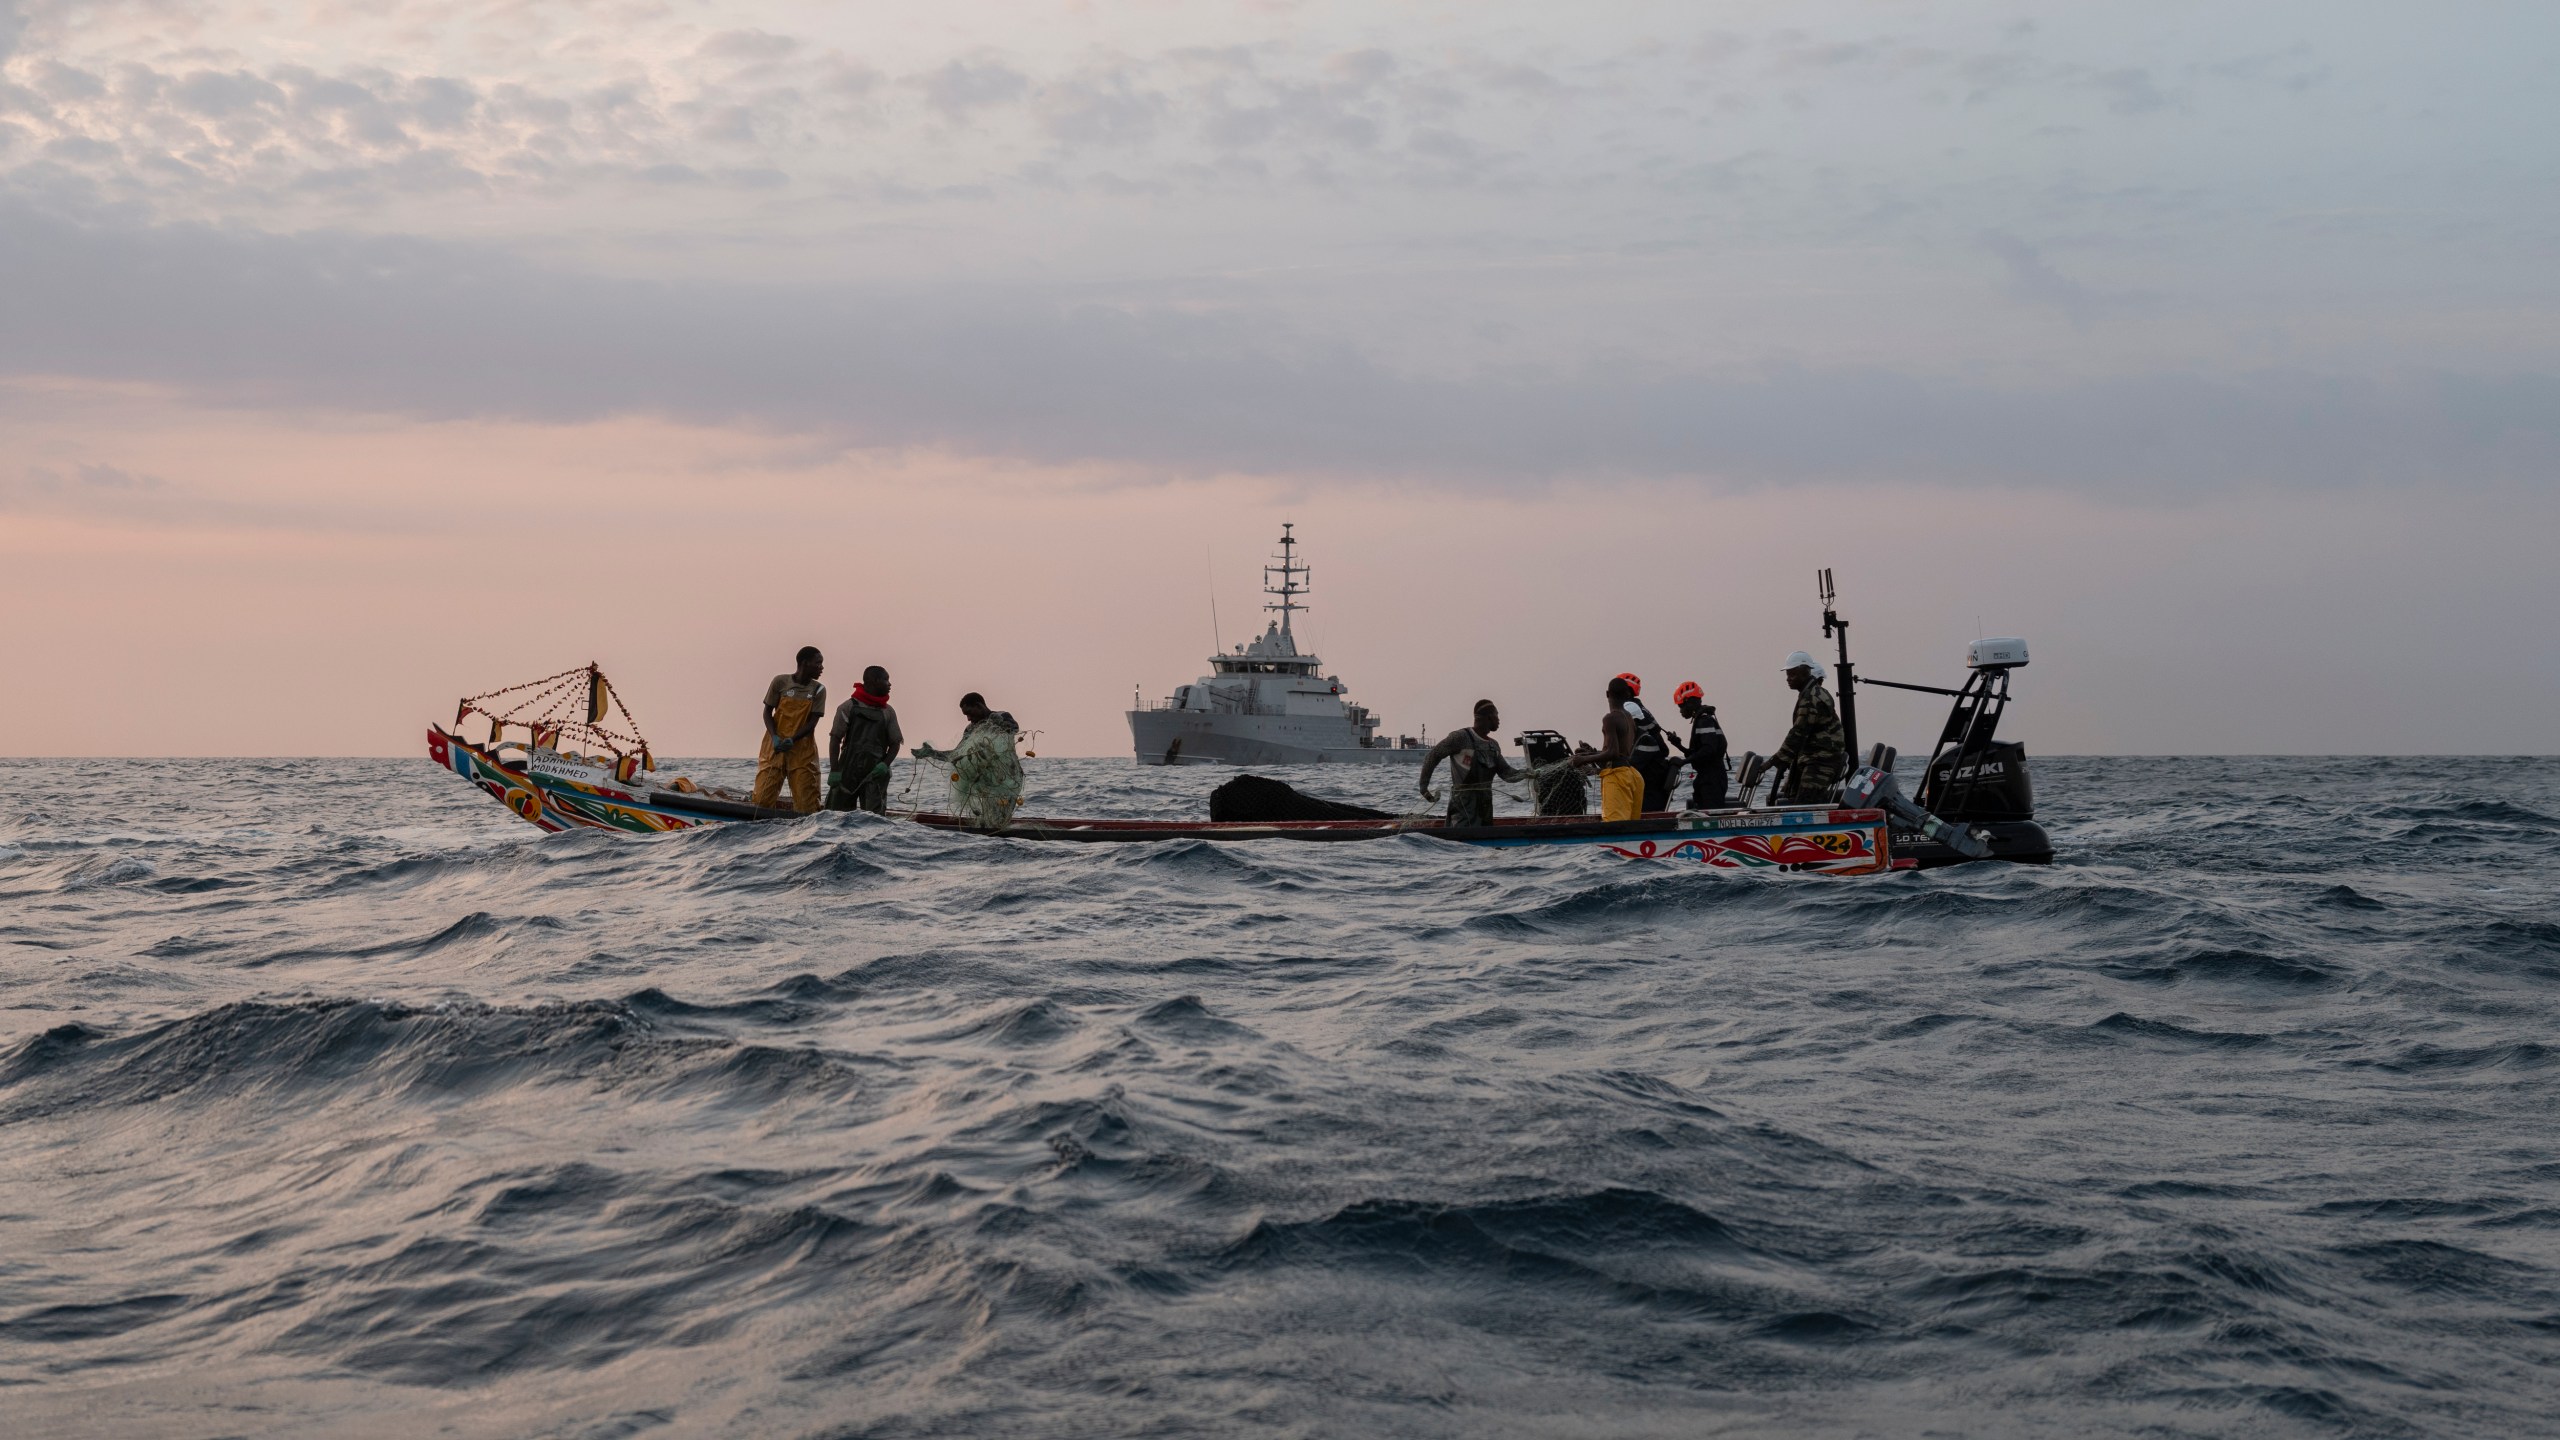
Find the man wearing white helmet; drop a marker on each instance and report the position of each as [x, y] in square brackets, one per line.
[1816, 751]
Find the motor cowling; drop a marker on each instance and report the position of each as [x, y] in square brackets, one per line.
[1987, 783]
[1556, 789]
[1544, 747]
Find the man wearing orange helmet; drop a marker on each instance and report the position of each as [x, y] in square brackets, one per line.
[1652, 760]
[1705, 749]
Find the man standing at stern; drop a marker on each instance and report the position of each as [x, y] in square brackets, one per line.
[862, 746]
[793, 706]
[1475, 758]
[1816, 750]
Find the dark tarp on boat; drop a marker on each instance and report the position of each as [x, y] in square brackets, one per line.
[1255, 798]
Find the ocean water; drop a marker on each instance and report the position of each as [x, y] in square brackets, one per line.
[336, 1100]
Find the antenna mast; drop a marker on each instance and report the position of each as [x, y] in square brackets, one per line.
[1292, 579]
[1217, 640]
[1831, 624]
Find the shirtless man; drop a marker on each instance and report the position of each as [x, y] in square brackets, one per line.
[1621, 788]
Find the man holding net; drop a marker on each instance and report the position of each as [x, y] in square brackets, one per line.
[1475, 758]
[986, 774]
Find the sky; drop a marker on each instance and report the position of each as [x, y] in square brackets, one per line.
[354, 358]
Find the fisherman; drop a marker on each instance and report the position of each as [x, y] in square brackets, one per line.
[973, 708]
[1621, 788]
[986, 774]
[1653, 760]
[1475, 758]
[1705, 747]
[793, 706]
[1816, 750]
[862, 745]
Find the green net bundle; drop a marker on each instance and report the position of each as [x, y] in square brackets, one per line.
[986, 776]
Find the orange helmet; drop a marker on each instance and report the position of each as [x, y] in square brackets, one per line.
[1686, 691]
[1634, 685]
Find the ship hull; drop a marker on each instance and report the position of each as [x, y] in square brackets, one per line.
[1205, 737]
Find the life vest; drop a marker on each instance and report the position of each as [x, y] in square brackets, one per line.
[1652, 756]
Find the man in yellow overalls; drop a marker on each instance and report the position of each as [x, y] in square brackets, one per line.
[793, 706]
[1621, 784]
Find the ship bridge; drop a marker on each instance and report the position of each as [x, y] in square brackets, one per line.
[1274, 652]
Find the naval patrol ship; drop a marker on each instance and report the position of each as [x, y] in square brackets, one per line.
[1265, 703]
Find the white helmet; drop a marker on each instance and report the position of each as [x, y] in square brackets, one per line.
[1798, 657]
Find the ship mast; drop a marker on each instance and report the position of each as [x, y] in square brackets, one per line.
[1292, 580]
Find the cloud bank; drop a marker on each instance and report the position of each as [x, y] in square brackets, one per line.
[2230, 334]
[441, 330]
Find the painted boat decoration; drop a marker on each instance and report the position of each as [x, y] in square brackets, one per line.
[557, 793]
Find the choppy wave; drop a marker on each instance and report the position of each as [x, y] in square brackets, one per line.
[332, 1097]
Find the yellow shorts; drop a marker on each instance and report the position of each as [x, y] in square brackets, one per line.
[1621, 793]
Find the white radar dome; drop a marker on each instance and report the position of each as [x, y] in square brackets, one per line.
[1996, 654]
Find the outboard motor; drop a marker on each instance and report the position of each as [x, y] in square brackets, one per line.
[1986, 783]
[1558, 791]
[1747, 773]
[1971, 775]
[1975, 802]
[1874, 789]
[1974, 780]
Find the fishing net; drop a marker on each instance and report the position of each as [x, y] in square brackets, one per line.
[986, 776]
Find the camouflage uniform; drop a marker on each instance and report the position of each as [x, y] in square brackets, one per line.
[1815, 745]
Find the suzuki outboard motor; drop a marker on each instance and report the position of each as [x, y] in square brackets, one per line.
[1975, 802]
[1986, 783]
[1972, 776]
[1975, 781]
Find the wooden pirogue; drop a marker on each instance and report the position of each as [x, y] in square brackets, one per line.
[559, 790]
[580, 767]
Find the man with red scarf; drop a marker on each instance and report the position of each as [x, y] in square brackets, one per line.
[862, 746]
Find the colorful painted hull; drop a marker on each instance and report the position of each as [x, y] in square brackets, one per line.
[565, 797]
[1828, 842]
[560, 797]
